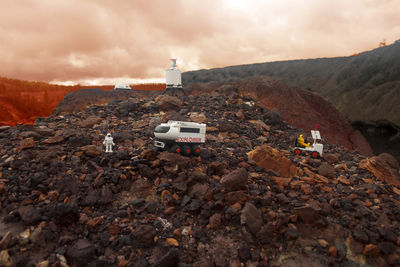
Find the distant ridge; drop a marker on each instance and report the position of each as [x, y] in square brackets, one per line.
[364, 88]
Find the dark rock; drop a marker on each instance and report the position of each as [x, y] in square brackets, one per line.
[65, 214]
[144, 235]
[215, 221]
[127, 106]
[308, 214]
[101, 196]
[244, 253]
[274, 117]
[390, 160]
[198, 177]
[171, 259]
[371, 250]
[91, 150]
[218, 168]
[105, 196]
[331, 158]
[266, 234]
[82, 252]
[360, 235]
[90, 122]
[327, 171]
[29, 215]
[13, 216]
[291, 234]
[393, 259]
[137, 202]
[387, 247]
[199, 191]
[225, 126]
[193, 206]
[235, 180]
[251, 217]
[166, 102]
[236, 197]
[5, 241]
[174, 159]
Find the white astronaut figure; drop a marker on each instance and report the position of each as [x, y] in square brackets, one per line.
[108, 141]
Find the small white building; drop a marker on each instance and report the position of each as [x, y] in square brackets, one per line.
[173, 76]
[122, 86]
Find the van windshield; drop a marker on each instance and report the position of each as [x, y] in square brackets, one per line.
[161, 129]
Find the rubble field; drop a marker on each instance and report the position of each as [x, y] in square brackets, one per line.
[247, 200]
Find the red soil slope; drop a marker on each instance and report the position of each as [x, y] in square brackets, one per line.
[23, 101]
[304, 110]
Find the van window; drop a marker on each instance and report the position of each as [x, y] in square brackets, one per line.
[189, 130]
[161, 129]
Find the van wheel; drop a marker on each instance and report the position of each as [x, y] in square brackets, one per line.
[186, 151]
[315, 154]
[297, 151]
[196, 150]
[176, 149]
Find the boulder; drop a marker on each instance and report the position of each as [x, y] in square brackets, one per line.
[144, 235]
[5, 241]
[389, 159]
[235, 180]
[127, 106]
[327, 171]
[271, 159]
[29, 215]
[380, 169]
[371, 250]
[171, 258]
[174, 160]
[90, 122]
[251, 217]
[91, 150]
[307, 213]
[65, 214]
[197, 117]
[215, 221]
[81, 252]
[166, 102]
[27, 143]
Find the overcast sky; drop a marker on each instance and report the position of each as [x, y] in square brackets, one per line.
[102, 41]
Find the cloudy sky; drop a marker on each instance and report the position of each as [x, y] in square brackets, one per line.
[102, 41]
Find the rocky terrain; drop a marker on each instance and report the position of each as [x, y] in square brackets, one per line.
[364, 88]
[299, 107]
[246, 201]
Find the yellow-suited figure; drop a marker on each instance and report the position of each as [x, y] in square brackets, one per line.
[301, 142]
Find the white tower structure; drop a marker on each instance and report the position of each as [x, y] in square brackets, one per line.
[173, 77]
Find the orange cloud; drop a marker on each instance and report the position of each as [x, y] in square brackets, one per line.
[71, 40]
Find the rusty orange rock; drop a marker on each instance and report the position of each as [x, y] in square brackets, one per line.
[380, 169]
[333, 251]
[272, 159]
[172, 242]
[27, 143]
[371, 250]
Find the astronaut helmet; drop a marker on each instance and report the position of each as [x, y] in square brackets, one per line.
[109, 135]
